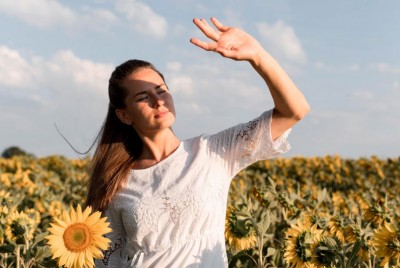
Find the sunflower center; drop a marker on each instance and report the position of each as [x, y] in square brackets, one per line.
[77, 237]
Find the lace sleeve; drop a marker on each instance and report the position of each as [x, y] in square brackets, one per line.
[115, 255]
[245, 144]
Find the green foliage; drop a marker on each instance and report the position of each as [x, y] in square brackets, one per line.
[14, 151]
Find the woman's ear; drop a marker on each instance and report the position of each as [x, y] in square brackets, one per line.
[121, 114]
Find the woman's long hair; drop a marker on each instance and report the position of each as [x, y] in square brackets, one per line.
[118, 146]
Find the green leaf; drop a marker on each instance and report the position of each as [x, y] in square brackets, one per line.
[39, 238]
[42, 253]
[353, 254]
[321, 196]
[265, 221]
[271, 252]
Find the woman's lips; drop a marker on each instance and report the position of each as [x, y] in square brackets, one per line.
[161, 114]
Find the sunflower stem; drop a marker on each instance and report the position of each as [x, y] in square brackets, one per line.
[17, 257]
[251, 257]
[27, 254]
[260, 251]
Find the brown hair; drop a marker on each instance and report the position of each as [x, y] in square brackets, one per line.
[118, 144]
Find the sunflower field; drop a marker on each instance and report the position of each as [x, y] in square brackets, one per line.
[285, 212]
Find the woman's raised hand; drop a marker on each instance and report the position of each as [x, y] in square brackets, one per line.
[230, 42]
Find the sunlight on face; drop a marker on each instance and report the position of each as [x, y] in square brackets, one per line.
[149, 104]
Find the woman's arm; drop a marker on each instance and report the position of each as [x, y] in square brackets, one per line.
[233, 43]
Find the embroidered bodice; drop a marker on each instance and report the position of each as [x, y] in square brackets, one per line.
[172, 214]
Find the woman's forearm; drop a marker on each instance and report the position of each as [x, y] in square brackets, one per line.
[288, 99]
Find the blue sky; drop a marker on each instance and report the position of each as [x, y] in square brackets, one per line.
[56, 58]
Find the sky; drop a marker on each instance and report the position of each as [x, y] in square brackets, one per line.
[56, 57]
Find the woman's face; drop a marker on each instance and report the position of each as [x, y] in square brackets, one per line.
[149, 107]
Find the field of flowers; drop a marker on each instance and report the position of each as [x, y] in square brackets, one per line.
[286, 212]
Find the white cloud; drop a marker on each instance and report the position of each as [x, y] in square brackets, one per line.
[179, 29]
[15, 71]
[99, 19]
[200, 8]
[281, 40]
[349, 133]
[41, 13]
[64, 68]
[37, 92]
[218, 100]
[396, 85]
[234, 17]
[52, 14]
[385, 100]
[85, 73]
[320, 65]
[142, 18]
[355, 67]
[386, 68]
[180, 83]
[104, 14]
[364, 95]
[174, 66]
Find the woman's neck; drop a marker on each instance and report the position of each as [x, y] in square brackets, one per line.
[157, 147]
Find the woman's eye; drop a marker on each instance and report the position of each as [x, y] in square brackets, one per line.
[141, 99]
[162, 91]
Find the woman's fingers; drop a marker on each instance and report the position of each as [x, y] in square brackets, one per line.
[214, 35]
[204, 45]
[219, 25]
[206, 29]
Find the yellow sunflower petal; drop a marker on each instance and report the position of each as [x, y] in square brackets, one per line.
[60, 222]
[72, 214]
[66, 218]
[94, 218]
[78, 239]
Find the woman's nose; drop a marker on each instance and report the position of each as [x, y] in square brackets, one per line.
[157, 100]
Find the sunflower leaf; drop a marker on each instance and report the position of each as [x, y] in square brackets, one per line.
[321, 196]
[42, 253]
[271, 252]
[353, 254]
[39, 238]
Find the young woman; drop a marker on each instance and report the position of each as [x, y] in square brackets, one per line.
[166, 198]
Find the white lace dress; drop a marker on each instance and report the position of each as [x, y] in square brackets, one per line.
[172, 214]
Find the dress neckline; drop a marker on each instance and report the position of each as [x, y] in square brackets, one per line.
[162, 162]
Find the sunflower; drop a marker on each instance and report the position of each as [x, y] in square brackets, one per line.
[318, 219]
[239, 230]
[339, 203]
[363, 252]
[336, 228]
[1, 236]
[78, 237]
[377, 214]
[4, 196]
[5, 202]
[56, 208]
[299, 244]
[4, 210]
[5, 180]
[386, 241]
[33, 214]
[324, 252]
[19, 227]
[361, 201]
[352, 233]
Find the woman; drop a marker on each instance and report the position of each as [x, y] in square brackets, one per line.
[166, 198]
